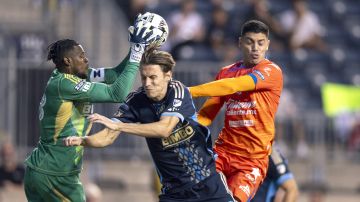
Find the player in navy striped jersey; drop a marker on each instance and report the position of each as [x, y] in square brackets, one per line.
[162, 110]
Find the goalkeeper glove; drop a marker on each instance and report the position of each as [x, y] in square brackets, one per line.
[140, 37]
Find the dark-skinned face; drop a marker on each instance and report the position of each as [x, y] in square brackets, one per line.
[77, 63]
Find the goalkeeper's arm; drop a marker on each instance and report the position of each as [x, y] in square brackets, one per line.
[140, 37]
[108, 75]
[73, 88]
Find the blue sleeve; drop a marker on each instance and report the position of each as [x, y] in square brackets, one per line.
[283, 178]
[253, 77]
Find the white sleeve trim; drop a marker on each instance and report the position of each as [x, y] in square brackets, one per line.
[115, 120]
[97, 75]
[180, 116]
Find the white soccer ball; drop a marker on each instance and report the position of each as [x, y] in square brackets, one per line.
[155, 23]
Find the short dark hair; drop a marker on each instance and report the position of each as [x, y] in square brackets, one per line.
[58, 49]
[255, 26]
[152, 56]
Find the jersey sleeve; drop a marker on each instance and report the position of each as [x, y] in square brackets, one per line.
[224, 87]
[209, 110]
[73, 88]
[107, 75]
[211, 107]
[76, 89]
[125, 114]
[179, 102]
[267, 77]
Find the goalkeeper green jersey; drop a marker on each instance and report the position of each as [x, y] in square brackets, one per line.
[63, 109]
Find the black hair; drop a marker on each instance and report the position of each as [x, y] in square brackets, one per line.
[255, 26]
[58, 50]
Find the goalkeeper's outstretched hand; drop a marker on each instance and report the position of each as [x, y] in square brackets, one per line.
[140, 37]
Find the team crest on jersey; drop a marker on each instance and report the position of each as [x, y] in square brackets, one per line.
[179, 135]
[177, 103]
[122, 109]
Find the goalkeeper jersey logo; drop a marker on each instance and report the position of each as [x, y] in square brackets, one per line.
[83, 86]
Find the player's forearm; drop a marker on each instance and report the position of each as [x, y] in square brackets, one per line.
[150, 130]
[112, 73]
[209, 110]
[291, 196]
[123, 84]
[117, 91]
[100, 139]
[203, 120]
[291, 190]
[223, 87]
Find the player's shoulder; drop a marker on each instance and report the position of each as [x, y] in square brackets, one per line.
[269, 64]
[176, 84]
[69, 83]
[136, 95]
[65, 85]
[72, 78]
[229, 67]
[178, 88]
[229, 70]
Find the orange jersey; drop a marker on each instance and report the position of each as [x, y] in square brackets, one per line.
[249, 126]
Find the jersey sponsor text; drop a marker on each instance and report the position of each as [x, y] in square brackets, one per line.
[178, 136]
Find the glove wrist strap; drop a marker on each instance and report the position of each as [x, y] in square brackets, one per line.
[136, 52]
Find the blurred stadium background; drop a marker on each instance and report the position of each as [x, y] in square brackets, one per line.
[322, 147]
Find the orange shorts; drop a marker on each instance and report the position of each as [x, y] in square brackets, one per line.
[243, 175]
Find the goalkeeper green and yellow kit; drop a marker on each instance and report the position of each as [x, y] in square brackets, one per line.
[52, 167]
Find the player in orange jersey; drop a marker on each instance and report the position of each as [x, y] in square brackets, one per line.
[250, 89]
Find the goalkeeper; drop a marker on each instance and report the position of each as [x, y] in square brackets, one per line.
[52, 172]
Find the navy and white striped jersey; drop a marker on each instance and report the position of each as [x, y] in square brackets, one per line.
[185, 158]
